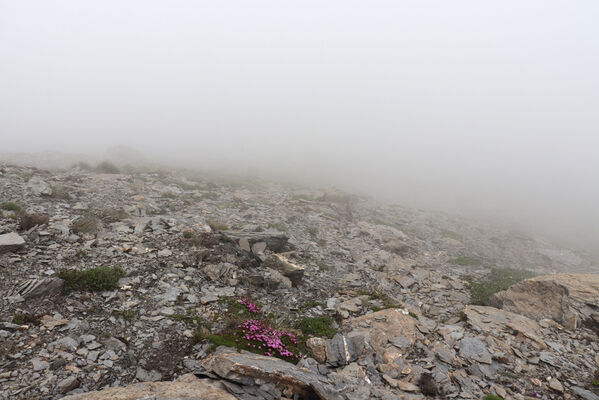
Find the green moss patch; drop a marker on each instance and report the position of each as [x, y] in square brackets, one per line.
[497, 280]
[318, 326]
[94, 280]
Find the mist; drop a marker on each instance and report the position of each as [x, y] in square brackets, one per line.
[479, 108]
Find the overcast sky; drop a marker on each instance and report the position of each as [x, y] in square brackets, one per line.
[475, 106]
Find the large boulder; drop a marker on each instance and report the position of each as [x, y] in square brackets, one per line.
[569, 299]
[385, 326]
[188, 387]
[250, 374]
[10, 242]
[501, 323]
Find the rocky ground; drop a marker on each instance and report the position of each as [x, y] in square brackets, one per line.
[187, 249]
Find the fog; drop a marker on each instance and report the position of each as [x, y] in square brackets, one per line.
[483, 108]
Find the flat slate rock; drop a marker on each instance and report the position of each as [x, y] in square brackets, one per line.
[10, 242]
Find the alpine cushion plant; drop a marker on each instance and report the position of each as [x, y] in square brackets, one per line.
[254, 333]
[251, 307]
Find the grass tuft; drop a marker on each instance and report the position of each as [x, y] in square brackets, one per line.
[10, 206]
[25, 319]
[318, 326]
[94, 279]
[497, 280]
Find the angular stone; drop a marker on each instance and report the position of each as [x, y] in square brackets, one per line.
[318, 346]
[147, 376]
[10, 242]
[37, 288]
[556, 385]
[380, 327]
[258, 248]
[497, 322]
[275, 241]
[563, 298]
[244, 244]
[474, 349]
[247, 369]
[187, 387]
[279, 263]
[67, 384]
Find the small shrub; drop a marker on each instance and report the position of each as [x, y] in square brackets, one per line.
[10, 206]
[465, 261]
[25, 319]
[318, 326]
[95, 279]
[28, 221]
[413, 314]
[87, 223]
[497, 280]
[110, 215]
[106, 167]
[197, 337]
[217, 226]
[60, 192]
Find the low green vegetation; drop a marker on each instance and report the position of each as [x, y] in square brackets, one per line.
[94, 279]
[497, 280]
[413, 315]
[10, 206]
[492, 397]
[25, 319]
[246, 327]
[318, 326]
[465, 261]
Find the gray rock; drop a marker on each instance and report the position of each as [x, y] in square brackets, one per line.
[38, 186]
[258, 248]
[585, 394]
[39, 364]
[275, 241]
[10, 242]
[67, 384]
[147, 376]
[245, 369]
[340, 350]
[37, 288]
[474, 349]
[67, 343]
[279, 263]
